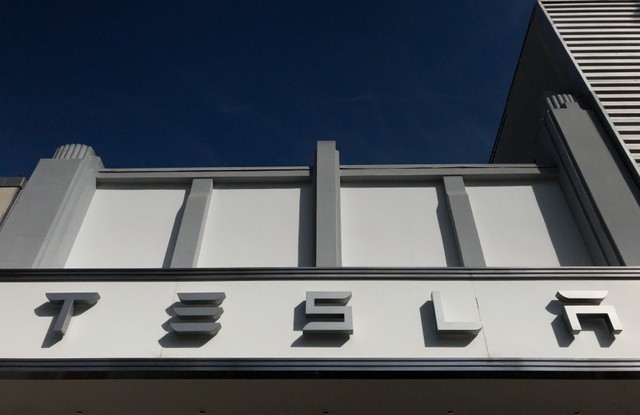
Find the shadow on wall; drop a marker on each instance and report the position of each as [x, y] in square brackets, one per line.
[430, 333]
[173, 340]
[306, 227]
[306, 340]
[567, 240]
[168, 256]
[446, 231]
[564, 337]
[51, 310]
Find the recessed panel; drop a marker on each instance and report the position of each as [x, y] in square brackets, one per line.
[259, 226]
[404, 226]
[128, 228]
[526, 225]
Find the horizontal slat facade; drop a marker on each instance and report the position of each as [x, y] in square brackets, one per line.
[604, 39]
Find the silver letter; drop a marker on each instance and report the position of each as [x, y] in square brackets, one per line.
[319, 306]
[571, 312]
[67, 300]
[450, 327]
[200, 310]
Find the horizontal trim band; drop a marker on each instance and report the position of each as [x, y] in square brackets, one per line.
[154, 177]
[373, 274]
[298, 174]
[319, 368]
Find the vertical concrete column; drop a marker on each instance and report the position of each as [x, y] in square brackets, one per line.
[43, 225]
[189, 241]
[605, 188]
[327, 182]
[464, 226]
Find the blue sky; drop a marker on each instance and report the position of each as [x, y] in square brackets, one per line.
[212, 83]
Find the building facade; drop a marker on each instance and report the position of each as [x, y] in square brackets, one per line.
[337, 289]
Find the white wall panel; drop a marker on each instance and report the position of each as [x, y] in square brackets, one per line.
[126, 322]
[526, 225]
[406, 226]
[128, 228]
[525, 320]
[259, 227]
[264, 319]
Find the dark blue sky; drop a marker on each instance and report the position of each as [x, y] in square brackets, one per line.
[212, 83]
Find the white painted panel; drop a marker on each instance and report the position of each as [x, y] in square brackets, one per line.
[525, 320]
[264, 319]
[261, 319]
[128, 228]
[268, 226]
[126, 322]
[526, 225]
[406, 226]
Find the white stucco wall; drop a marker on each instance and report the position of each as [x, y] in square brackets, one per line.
[128, 228]
[526, 224]
[259, 226]
[382, 225]
[398, 225]
[264, 319]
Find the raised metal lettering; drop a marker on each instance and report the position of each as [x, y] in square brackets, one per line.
[67, 302]
[197, 314]
[589, 308]
[328, 306]
[452, 327]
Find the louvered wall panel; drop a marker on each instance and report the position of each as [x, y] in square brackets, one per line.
[604, 38]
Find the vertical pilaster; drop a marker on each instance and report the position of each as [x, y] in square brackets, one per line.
[44, 222]
[604, 186]
[464, 226]
[327, 182]
[189, 241]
